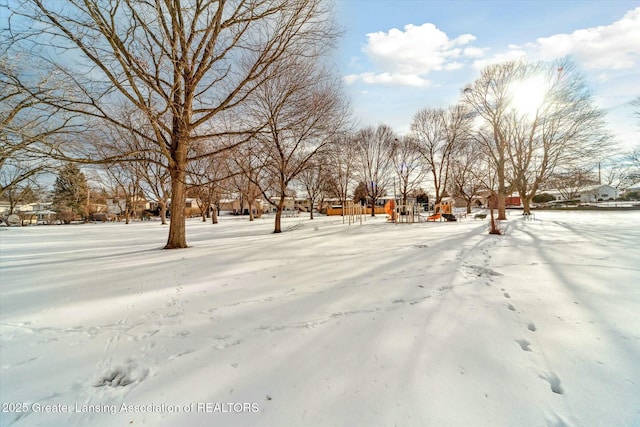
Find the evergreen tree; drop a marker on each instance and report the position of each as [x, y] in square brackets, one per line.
[70, 193]
[360, 194]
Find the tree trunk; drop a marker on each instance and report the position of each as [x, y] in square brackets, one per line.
[214, 215]
[502, 210]
[177, 236]
[526, 204]
[163, 213]
[502, 192]
[278, 228]
[494, 227]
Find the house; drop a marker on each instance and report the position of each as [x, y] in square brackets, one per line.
[598, 193]
[330, 203]
[32, 213]
[291, 204]
[237, 206]
[4, 207]
[635, 188]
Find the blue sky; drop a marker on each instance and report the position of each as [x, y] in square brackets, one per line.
[399, 56]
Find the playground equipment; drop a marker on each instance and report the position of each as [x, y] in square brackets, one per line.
[353, 212]
[407, 214]
[443, 210]
[390, 210]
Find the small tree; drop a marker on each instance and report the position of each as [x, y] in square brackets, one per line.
[408, 167]
[70, 193]
[312, 179]
[375, 150]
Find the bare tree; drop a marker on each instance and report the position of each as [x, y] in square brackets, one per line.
[570, 182]
[408, 166]
[186, 67]
[342, 162]
[245, 169]
[467, 180]
[565, 128]
[623, 170]
[313, 181]
[304, 109]
[375, 151]
[539, 116]
[29, 128]
[205, 178]
[439, 132]
[20, 194]
[488, 97]
[127, 195]
[636, 103]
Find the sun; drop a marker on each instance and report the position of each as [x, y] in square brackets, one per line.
[528, 95]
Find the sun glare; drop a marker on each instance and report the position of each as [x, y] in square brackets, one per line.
[528, 95]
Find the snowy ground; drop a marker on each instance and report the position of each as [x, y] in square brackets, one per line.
[433, 324]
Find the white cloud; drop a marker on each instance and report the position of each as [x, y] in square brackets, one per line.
[405, 57]
[511, 55]
[388, 79]
[474, 52]
[610, 47]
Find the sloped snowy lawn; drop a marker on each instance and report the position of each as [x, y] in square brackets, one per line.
[436, 324]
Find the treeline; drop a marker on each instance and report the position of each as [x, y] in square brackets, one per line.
[206, 99]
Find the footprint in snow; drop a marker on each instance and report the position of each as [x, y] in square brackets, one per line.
[524, 345]
[121, 375]
[506, 295]
[554, 382]
[511, 307]
[531, 326]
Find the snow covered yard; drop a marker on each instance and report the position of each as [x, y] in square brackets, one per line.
[433, 324]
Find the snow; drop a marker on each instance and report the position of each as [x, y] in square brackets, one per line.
[431, 324]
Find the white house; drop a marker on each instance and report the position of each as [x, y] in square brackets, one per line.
[598, 193]
[634, 187]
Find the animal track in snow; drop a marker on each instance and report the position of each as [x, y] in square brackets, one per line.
[531, 326]
[506, 295]
[511, 307]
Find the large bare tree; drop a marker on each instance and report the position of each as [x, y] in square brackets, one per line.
[186, 66]
[537, 116]
[563, 127]
[489, 98]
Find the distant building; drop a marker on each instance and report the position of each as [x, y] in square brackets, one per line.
[634, 187]
[598, 193]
